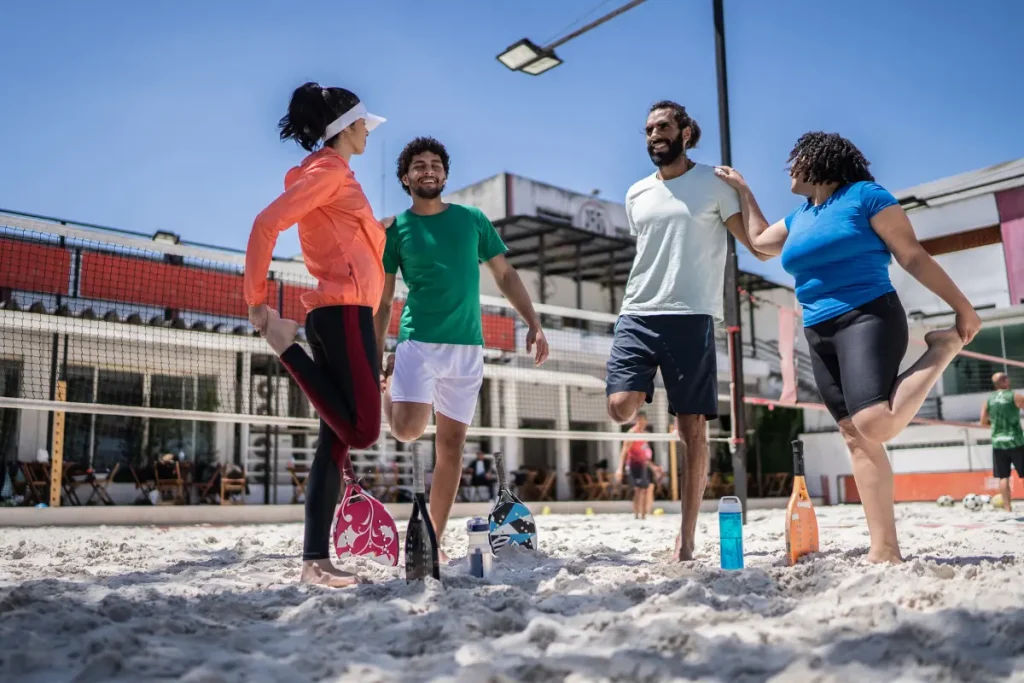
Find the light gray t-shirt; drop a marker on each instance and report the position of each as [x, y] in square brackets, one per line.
[680, 243]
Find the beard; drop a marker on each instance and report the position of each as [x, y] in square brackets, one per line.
[428, 192]
[668, 156]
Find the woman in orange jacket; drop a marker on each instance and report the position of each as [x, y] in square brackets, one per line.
[342, 246]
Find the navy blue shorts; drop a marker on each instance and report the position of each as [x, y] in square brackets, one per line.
[682, 346]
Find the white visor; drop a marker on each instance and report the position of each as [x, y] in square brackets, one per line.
[351, 116]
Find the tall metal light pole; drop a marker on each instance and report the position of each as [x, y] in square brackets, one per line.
[527, 57]
[732, 292]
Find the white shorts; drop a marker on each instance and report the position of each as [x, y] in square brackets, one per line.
[448, 376]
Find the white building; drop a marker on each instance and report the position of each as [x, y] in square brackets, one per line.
[71, 294]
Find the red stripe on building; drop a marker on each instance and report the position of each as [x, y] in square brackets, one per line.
[139, 281]
[34, 267]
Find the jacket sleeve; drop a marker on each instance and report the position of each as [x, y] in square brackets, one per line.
[312, 190]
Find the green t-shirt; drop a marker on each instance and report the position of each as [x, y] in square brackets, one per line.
[439, 257]
[1004, 415]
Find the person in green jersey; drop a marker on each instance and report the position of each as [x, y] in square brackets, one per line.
[1002, 412]
[439, 360]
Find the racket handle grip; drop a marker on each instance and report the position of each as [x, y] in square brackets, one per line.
[418, 485]
[798, 458]
[499, 464]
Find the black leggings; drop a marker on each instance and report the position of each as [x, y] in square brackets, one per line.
[856, 356]
[342, 381]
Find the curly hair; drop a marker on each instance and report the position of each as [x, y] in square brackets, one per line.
[682, 119]
[419, 146]
[820, 158]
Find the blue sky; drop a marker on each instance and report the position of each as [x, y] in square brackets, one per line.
[161, 115]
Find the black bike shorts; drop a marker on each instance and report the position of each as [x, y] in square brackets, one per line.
[856, 356]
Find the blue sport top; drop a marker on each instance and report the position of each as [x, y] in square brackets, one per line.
[837, 259]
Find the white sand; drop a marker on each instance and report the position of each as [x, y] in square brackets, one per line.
[600, 603]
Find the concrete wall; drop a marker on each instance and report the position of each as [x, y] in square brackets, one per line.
[926, 448]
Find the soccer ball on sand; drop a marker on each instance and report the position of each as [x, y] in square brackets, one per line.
[972, 502]
[945, 501]
[985, 498]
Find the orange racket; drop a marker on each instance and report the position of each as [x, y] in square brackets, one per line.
[801, 522]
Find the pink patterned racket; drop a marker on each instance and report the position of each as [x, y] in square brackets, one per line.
[363, 526]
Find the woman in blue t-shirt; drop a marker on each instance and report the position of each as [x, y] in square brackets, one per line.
[838, 245]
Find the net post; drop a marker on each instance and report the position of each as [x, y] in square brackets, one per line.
[57, 453]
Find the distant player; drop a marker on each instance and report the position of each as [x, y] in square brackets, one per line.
[1002, 412]
[439, 361]
[635, 461]
[681, 216]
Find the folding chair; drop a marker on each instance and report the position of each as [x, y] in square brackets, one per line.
[300, 473]
[233, 482]
[143, 486]
[544, 490]
[206, 491]
[37, 482]
[99, 486]
[169, 483]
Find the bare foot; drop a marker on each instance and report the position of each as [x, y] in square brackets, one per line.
[442, 557]
[883, 555]
[280, 332]
[682, 553]
[947, 342]
[323, 573]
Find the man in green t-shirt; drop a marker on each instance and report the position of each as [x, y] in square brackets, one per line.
[439, 361]
[1002, 412]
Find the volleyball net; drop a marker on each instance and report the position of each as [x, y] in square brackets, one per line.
[142, 347]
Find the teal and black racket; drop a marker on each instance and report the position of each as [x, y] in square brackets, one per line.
[511, 522]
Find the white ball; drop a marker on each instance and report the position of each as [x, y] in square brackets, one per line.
[972, 502]
[985, 499]
[945, 501]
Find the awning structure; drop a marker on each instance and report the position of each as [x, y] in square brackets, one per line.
[551, 247]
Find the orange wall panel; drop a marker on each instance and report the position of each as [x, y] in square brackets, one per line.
[928, 486]
[139, 281]
[34, 267]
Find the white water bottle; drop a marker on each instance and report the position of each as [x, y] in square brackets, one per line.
[479, 552]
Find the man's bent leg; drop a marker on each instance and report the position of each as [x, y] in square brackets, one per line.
[409, 393]
[631, 367]
[408, 420]
[693, 475]
[444, 486]
[623, 405]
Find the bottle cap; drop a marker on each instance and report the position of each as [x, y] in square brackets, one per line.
[730, 504]
[476, 525]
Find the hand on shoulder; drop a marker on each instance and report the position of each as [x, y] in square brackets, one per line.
[731, 176]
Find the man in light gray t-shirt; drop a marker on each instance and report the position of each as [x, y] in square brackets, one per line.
[674, 296]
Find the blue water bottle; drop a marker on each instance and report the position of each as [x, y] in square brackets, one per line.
[730, 530]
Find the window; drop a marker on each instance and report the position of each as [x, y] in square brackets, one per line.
[10, 386]
[971, 376]
[117, 438]
[101, 441]
[196, 440]
[1013, 337]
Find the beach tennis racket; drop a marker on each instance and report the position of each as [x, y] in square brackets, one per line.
[511, 522]
[421, 556]
[801, 522]
[363, 527]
